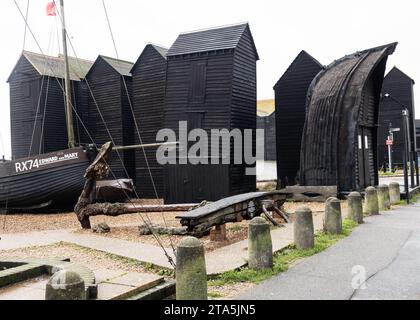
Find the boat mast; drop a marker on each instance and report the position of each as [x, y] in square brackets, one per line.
[69, 111]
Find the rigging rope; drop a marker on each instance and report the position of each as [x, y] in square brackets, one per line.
[2, 144]
[39, 103]
[26, 18]
[148, 223]
[36, 117]
[135, 121]
[44, 114]
[73, 90]
[84, 127]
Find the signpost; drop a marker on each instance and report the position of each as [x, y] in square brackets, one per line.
[389, 143]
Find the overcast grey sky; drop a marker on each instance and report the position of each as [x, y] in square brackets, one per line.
[327, 29]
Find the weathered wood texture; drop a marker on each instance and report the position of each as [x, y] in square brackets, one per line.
[211, 84]
[149, 77]
[86, 206]
[55, 184]
[290, 98]
[400, 87]
[268, 124]
[110, 114]
[312, 194]
[231, 209]
[339, 137]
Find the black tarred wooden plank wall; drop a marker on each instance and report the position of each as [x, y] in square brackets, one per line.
[110, 97]
[290, 99]
[400, 87]
[149, 76]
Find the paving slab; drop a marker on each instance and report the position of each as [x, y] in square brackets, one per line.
[127, 285]
[137, 280]
[133, 250]
[33, 289]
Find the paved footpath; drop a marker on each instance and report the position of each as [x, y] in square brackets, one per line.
[218, 261]
[385, 247]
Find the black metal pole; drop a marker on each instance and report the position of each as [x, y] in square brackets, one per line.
[412, 170]
[406, 157]
[416, 161]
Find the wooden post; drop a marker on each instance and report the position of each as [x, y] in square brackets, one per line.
[218, 234]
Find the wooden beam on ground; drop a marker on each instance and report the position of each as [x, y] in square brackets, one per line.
[312, 193]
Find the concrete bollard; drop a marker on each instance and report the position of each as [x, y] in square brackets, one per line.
[260, 247]
[191, 274]
[303, 228]
[333, 221]
[65, 285]
[355, 206]
[394, 193]
[383, 197]
[371, 201]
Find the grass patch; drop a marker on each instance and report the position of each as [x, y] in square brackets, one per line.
[214, 295]
[388, 174]
[283, 259]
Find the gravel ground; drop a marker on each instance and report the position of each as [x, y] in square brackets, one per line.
[229, 291]
[126, 226]
[90, 258]
[234, 233]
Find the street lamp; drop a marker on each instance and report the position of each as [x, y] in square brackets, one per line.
[408, 152]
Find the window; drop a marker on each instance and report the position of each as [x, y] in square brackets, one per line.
[198, 81]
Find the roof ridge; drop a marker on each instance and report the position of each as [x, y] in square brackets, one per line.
[115, 59]
[59, 57]
[294, 61]
[158, 45]
[398, 69]
[215, 28]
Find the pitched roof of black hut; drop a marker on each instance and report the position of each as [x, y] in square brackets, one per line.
[302, 55]
[218, 38]
[54, 66]
[121, 66]
[159, 49]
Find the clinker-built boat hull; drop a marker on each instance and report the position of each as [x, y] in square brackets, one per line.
[53, 179]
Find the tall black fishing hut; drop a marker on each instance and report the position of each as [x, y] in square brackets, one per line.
[397, 94]
[290, 99]
[211, 84]
[37, 108]
[149, 76]
[110, 115]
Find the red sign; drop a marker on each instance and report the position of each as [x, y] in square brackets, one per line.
[389, 142]
[51, 9]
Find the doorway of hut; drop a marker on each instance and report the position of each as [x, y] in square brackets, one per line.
[365, 139]
[189, 182]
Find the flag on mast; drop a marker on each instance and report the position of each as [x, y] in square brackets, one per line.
[51, 9]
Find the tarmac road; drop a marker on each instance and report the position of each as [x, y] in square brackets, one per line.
[379, 260]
